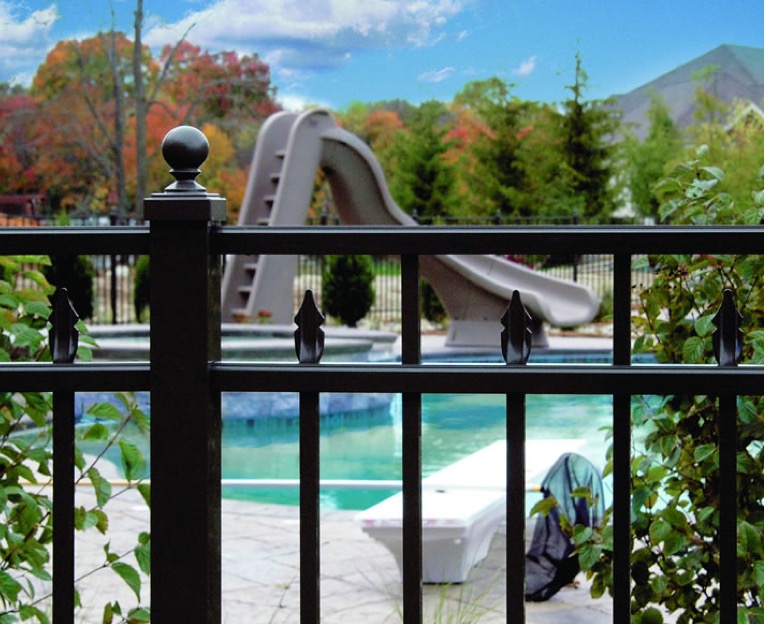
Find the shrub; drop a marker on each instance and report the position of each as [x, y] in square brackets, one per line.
[141, 289]
[348, 291]
[675, 464]
[26, 458]
[431, 307]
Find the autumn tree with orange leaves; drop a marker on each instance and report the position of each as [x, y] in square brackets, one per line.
[88, 131]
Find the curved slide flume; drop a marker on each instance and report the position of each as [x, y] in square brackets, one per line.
[475, 290]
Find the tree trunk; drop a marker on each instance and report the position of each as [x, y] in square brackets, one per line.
[141, 113]
[119, 138]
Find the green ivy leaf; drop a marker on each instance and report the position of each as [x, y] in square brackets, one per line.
[25, 336]
[589, 555]
[9, 301]
[37, 308]
[652, 615]
[703, 325]
[581, 534]
[111, 556]
[138, 615]
[101, 520]
[134, 464]
[131, 577]
[703, 451]
[583, 491]
[105, 411]
[141, 419]
[142, 553]
[750, 538]
[27, 612]
[84, 353]
[693, 350]
[676, 518]
[144, 490]
[674, 543]
[97, 431]
[38, 278]
[544, 506]
[110, 612]
[659, 531]
[657, 473]
[101, 486]
[9, 587]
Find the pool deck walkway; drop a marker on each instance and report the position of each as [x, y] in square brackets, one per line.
[360, 582]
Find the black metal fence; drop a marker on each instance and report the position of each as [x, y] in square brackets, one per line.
[185, 377]
[595, 271]
[113, 283]
[113, 276]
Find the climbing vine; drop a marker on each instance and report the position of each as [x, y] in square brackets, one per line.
[675, 562]
[26, 522]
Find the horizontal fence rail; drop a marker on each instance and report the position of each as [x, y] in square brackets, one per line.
[380, 240]
[185, 353]
[396, 378]
[488, 240]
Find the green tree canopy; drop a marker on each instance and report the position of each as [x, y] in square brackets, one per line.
[645, 161]
[423, 182]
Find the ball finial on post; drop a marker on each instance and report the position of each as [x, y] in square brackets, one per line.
[185, 148]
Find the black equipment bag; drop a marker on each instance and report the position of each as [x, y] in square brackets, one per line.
[548, 563]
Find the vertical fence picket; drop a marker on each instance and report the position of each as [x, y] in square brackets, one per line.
[412, 531]
[727, 347]
[310, 340]
[516, 339]
[622, 441]
[63, 339]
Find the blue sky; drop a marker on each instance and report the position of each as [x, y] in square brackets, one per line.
[333, 52]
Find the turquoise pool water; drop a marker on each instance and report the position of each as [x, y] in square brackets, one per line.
[368, 445]
[260, 435]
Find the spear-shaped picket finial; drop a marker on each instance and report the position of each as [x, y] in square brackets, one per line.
[310, 338]
[516, 336]
[727, 339]
[63, 335]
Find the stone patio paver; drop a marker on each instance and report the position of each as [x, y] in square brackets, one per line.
[360, 580]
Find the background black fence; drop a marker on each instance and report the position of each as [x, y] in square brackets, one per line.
[113, 283]
[113, 277]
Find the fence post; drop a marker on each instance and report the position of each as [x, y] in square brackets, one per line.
[185, 441]
[727, 342]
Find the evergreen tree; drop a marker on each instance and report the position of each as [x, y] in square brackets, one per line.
[587, 129]
[423, 181]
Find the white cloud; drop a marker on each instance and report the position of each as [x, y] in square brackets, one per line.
[526, 68]
[437, 75]
[299, 103]
[21, 39]
[295, 34]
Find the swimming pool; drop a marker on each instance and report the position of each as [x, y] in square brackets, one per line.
[368, 446]
[363, 441]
